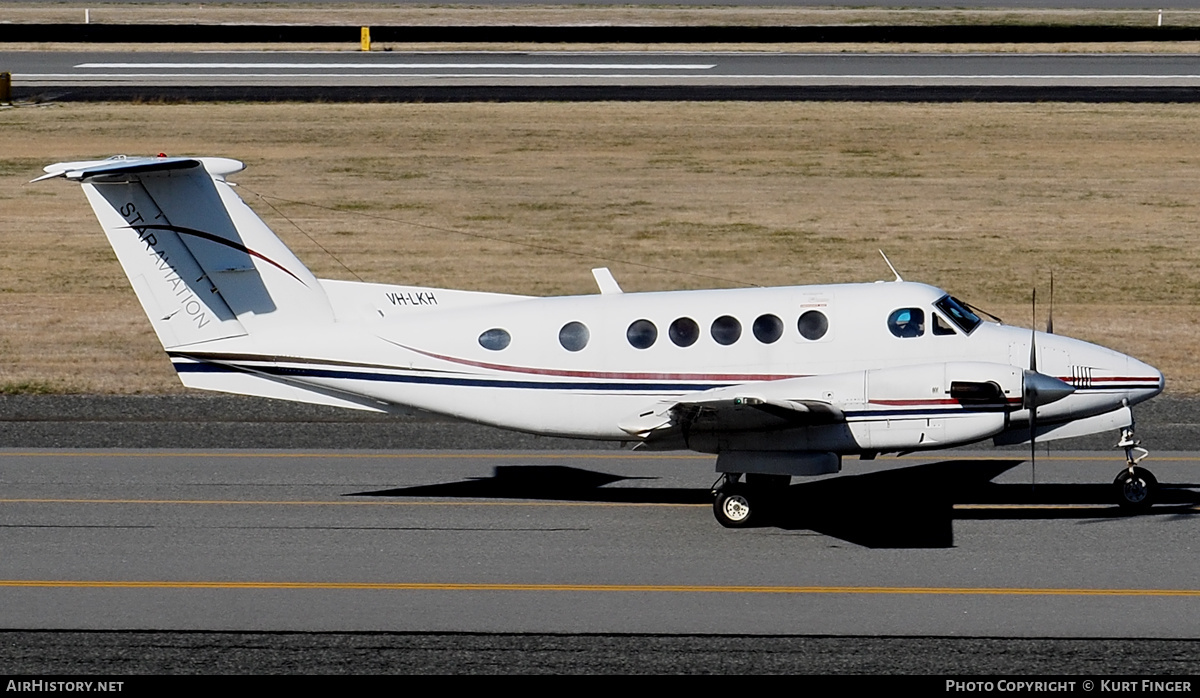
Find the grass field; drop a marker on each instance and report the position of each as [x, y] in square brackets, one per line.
[665, 14]
[378, 14]
[983, 200]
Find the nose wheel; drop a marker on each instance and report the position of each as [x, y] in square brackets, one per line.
[1136, 487]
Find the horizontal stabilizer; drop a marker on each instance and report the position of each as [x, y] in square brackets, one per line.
[113, 168]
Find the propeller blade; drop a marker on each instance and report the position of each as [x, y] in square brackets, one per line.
[1033, 335]
[1040, 389]
[1033, 446]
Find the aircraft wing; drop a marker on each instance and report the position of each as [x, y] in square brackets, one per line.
[742, 413]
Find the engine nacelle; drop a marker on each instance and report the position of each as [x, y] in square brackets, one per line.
[904, 408]
[936, 405]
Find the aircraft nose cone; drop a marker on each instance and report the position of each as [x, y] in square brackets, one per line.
[1152, 381]
[1041, 389]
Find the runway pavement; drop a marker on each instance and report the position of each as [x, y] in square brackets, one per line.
[37, 69]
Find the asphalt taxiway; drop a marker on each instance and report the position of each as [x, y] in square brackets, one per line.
[324, 540]
[587, 542]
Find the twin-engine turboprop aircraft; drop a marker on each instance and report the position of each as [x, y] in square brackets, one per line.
[776, 382]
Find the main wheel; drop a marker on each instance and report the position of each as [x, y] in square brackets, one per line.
[732, 507]
[1136, 490]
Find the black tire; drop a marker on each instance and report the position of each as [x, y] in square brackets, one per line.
[733, 508]
[1136, 490]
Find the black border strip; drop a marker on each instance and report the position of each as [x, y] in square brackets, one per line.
[667, 93]
[268, 33]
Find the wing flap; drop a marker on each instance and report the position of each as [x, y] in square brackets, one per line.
[743, 413]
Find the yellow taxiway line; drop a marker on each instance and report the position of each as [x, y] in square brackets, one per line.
[670, 588]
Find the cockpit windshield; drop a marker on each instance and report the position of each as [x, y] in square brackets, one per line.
[958, 313]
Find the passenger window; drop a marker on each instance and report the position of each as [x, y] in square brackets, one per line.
[684, 332]
[726, 330]
[642, 334]
[907, 322]
[574, 336]
[941, 327]
[495, 339]
[768, 329]
[813, 325]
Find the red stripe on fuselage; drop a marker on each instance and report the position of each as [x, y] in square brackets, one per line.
[609, 375]
[1110, 379]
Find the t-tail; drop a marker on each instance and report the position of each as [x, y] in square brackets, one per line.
[204, 266]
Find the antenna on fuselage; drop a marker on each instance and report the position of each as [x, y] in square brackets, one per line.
[1050, 320]
[889, 263]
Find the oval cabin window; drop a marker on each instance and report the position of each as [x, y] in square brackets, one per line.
[574, 336]
[642, 334]
[495, 339]
[768, 329]
[684, 332]
[813, 325]
[726, 330]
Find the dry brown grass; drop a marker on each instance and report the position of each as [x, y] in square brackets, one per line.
[374, 14]
[980, 199]
[434, 14]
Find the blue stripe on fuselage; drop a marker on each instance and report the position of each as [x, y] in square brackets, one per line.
[285, 372]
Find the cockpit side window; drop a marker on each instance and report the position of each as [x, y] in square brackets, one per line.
[958, 313]
[941, 327]
[907, 322]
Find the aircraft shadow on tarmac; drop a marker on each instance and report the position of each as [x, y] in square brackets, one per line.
[911, 507]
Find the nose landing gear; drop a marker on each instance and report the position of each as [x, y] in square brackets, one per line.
[1136, 487]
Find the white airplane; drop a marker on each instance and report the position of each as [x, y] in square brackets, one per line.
[777, 382]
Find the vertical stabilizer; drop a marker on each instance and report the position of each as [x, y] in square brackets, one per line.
[170, 284]
[204, 266]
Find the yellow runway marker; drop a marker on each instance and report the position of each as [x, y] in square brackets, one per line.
[669, 588]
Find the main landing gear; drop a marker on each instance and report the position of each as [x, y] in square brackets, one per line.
[1136, 487]
[740, 505]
